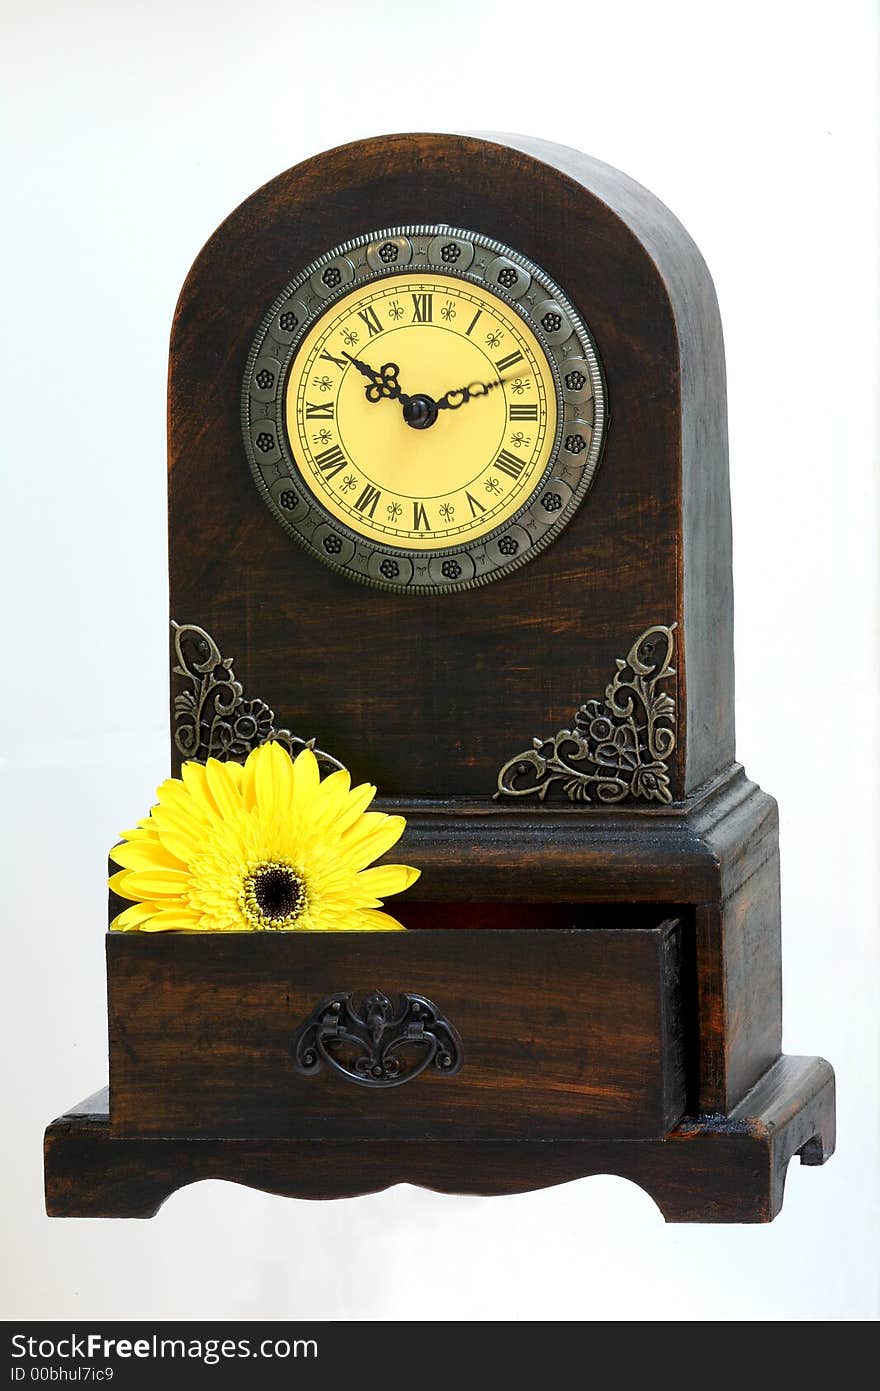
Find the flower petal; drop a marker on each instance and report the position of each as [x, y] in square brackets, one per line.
[195, 780]
[337, 783]
[181, 846]
[144, 830]
[172, 920]
[330, 798]
[184, 820]
[234, 771]
[386, 879]
[368, 839]
[174, 795]
[224, 788]
[373, 920]
[306, 777]
[132, 917]
[274, 779]
[249, 778]
[118, 881]
[356, 803]
[157, 883]
[145, 854]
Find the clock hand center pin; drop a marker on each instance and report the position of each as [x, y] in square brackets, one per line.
[420, 412]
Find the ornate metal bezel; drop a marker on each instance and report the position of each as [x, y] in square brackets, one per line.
[569, 349]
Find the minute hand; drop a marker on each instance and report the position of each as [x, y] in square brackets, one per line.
[462, 394]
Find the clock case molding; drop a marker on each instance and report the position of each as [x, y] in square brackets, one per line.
[431, 698]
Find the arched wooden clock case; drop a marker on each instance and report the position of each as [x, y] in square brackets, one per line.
[591, 979]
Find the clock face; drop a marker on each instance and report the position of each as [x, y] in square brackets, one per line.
[408, 474]
[423, 409]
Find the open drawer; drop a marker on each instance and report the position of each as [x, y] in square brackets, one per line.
[551, 1032]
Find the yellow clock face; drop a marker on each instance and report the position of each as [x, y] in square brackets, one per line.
[422, 410]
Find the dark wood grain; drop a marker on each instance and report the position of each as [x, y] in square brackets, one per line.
[709, 1169]
[696, 852]
[716, 860]
[704, 557]
[430, 696]
[583, 1027]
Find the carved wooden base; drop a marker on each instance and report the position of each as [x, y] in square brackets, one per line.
[712, 1169]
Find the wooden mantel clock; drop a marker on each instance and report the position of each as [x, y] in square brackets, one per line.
[448, 495]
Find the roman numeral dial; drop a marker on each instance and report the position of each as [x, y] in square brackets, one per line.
[423, 409]
[415, 478]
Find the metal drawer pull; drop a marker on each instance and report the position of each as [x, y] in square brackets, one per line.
[381, 1045]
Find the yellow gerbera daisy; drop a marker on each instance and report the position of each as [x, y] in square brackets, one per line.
[262, 845]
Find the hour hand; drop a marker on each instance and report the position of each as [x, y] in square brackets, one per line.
[462, 394]
[383, 382]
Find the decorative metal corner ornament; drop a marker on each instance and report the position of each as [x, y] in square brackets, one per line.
[365, 1046]
[618, 747]
[214, 719]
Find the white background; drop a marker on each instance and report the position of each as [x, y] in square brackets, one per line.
[130, 132]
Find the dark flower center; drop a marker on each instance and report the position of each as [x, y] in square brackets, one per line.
[273, 896]
[278, 892]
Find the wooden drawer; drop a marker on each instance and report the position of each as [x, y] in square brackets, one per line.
[524, 1033]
